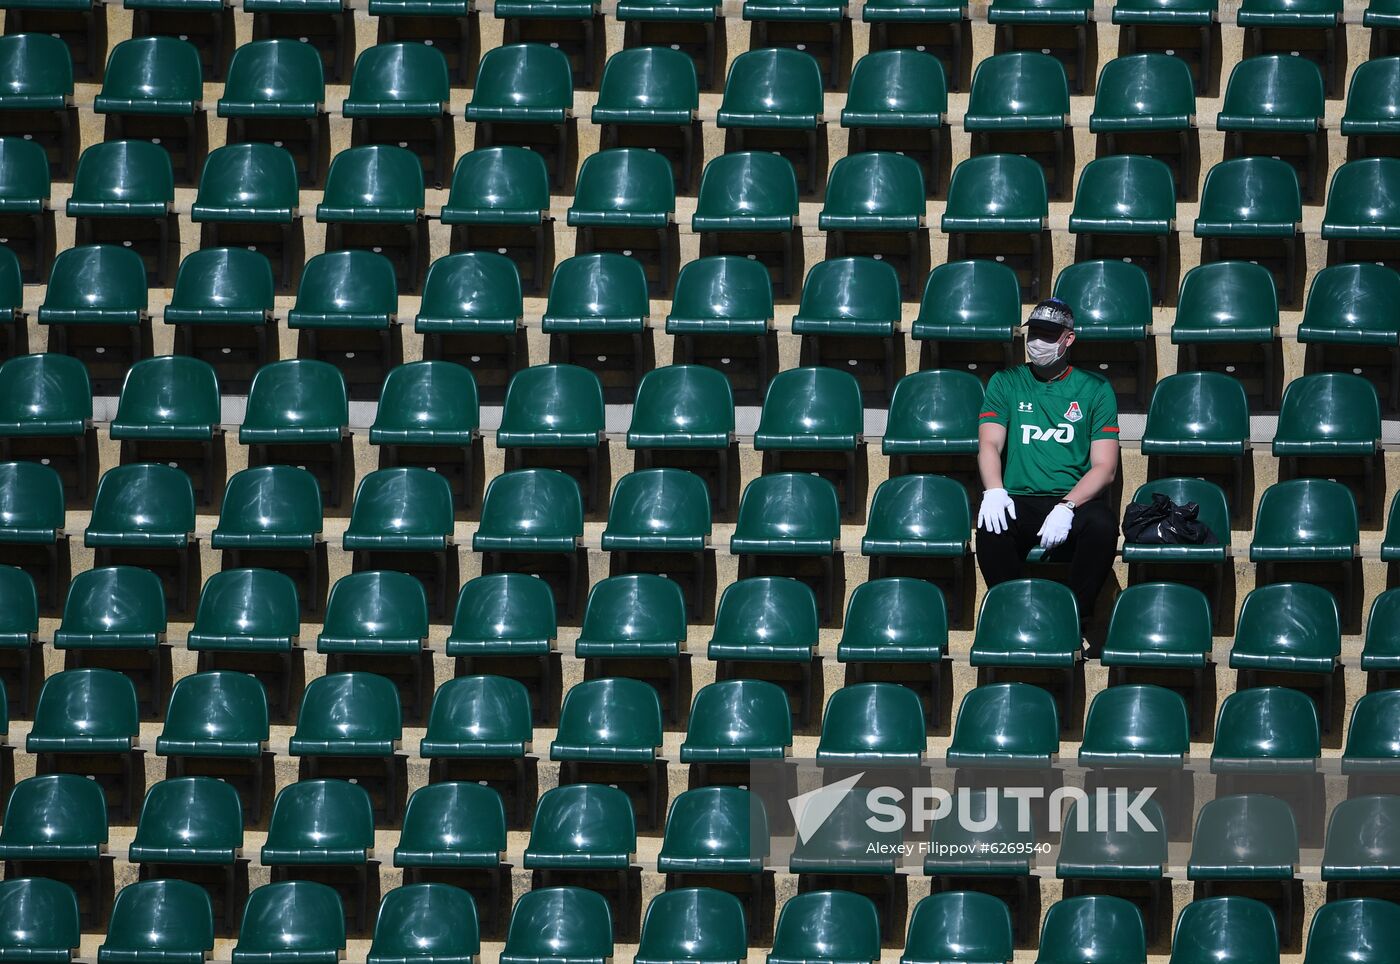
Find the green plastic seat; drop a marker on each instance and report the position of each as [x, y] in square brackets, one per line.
[626, 187]
[647, 85]
[522, 83]
[1094, 846]
[1160, 624]
[151, 75]
[720, 295]
[1359, 205]
[746, 191]
[1305, 519]
[1143, 92]
[170, 397]
[346, 289]
[452, 825]
[87, 710]
[1123, 194]
[933, 412]
[1111, 300]
[901, 88]
[31, 504]
[1097, 927]
[552, 406]
[1188, 13]
[872, 724]
[1136, 725]
[427, 403]
[222, 286]
[530, 510]
[736, 721]
[215, 714]
[426, 924]
[847, 296]
[873, 191]
[57, 816]
[348, 714]
[503, 613]
[1249, 197]
[247, 183]
[1038, 12]
[24, 177]
[498, 185]
[1361, 840]
[36, 72]
[189, 820]
[1357, 931]
[291, 922]
[897, 619]
[398, 80]
[918, 515]
[598, 293]
[1197, 413]
[615, 719]
[1289, 13]
[372, 184]
[274, 78]
[667, 11]
[698, 924]
[382, 612]
[95, 284]
[996, 193]
[1268, 727]
[1027, 622]
[116, 607]
[678, 406]
[1226, 301]
[1245, 837]
[582, 826]
[977, 300]
[472, 292]
[409, 8]
[913, 11]
[146, 504]
[772, 88]
[1225, 930]
[19, 610]
[765, 618]
[1382, 647]
[318, 822]
[822, 11]
[296, 401]
[1275, 93]
[1372, 103]
[658, 510]
[1371, 736]
[993, 843]
[1349, 304]
[1017, 91]
[478, 716]
[826, 926]
[123, 179]
[405, 508]
[850, 841]
[562, 925]
[166, 920]
[959, 927]
[1005, 725]
[810, 409]
[634, 615]
[714, 830]
[1380, 14]
[1213, 511]
[41, 921]
[789, 513]
[1328, 413]
[269, 507]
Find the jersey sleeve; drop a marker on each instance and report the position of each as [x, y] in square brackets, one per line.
[1104, 417]
[994, 405]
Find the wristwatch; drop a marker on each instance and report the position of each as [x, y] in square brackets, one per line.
[1072, 506]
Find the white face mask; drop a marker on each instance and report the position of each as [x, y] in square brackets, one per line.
[1043, 353]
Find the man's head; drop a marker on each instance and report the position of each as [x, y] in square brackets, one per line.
[1049, 334]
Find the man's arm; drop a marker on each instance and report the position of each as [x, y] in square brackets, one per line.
[991, 442]
[1103, 469]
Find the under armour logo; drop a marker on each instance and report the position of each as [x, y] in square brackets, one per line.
[1025, 407]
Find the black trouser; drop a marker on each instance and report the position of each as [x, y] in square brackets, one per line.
[1093, 536]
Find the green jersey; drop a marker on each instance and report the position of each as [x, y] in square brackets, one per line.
[1049, 426]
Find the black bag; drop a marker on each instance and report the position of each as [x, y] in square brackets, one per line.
[1162, 522]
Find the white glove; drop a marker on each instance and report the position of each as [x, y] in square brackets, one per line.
[1055, 529]
[996, 506]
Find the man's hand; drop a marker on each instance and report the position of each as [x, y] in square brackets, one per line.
[1055, 529]
[996, 506]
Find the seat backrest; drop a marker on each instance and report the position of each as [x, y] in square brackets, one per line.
[957, 923]
[96, 277]
[1277, 87]
[123, 173]
[298, 393]
[472, 285]
[400, 75]
[500, 179]
[172, 391]
[372, 177]
[152, 74]
[436, 921]
[1149, 88]
[505, 606]
[240, 178]
[782, 84]
[1225, 929]
[1021, 84]
[789, 507]
[38, 918]
[600, 285]
[316, 815]
[115, 600]
[1267, 723]
[145, 497]
[377, 604]
[1093, 927]
[1256, 191]
[817, 404]
[744, 187]
[89, 703]
[353, 282]
[1359, 930]
[524, 76]
[281, 74]
[563, 922]
[769, 610]
[36, 70]
[1006, 719]
[217, 282]
[219, 706]
[24, 174]
[827, 924]
[271, 502]
[850, 289]
[291, 916]
[904, 81]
